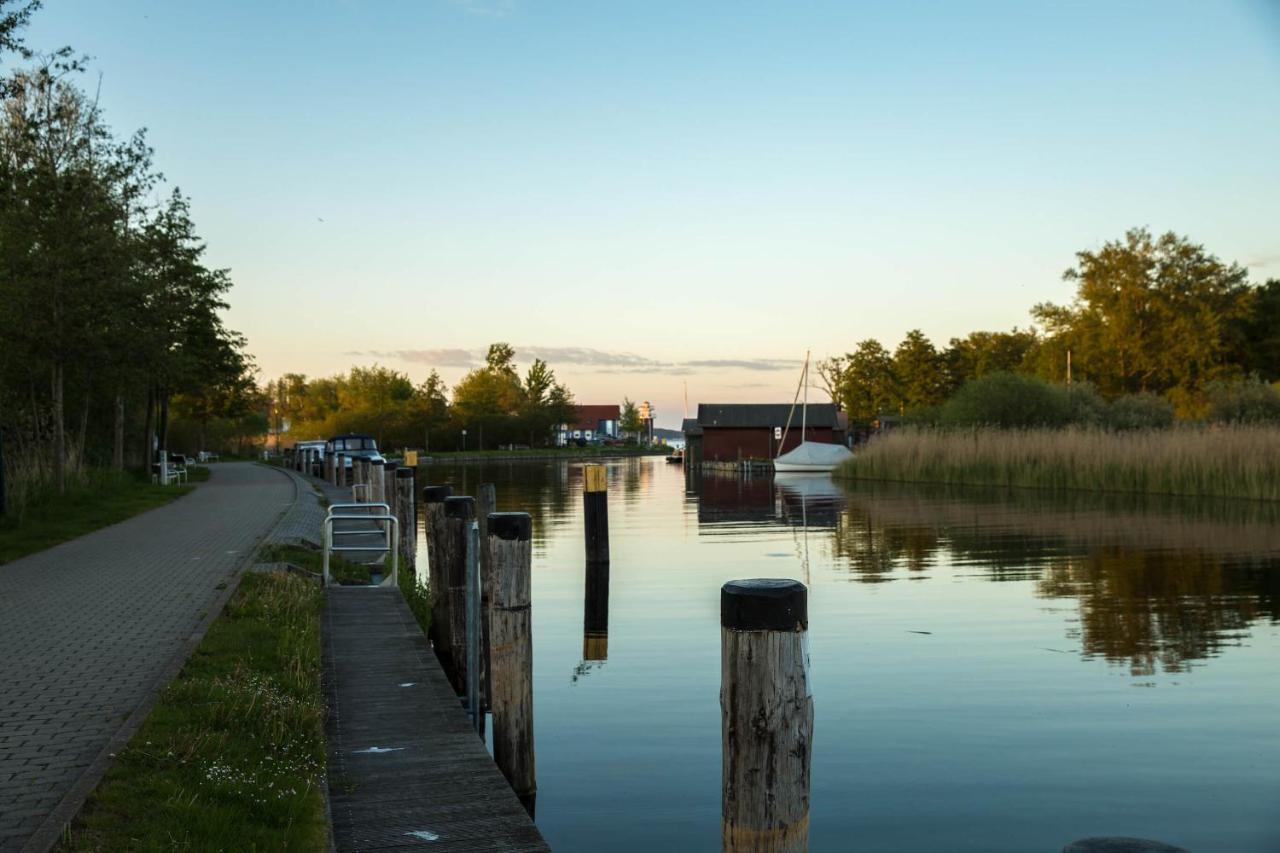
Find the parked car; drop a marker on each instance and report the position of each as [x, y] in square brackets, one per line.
[351, 445]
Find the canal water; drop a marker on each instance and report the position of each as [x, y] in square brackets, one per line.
[992, 671]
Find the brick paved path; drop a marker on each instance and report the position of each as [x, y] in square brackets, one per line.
[92, 628]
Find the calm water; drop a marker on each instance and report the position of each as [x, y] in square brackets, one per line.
[990, 672]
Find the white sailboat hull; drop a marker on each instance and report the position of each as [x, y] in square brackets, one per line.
[812, 457]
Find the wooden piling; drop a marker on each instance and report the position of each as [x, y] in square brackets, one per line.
[377, 481]
[340, 471]
[328, 467]
[406, 511]
[510, 546]
[459, 512]
[595, 512]
[486, 505]
[359, 473]
[766, 716]
[433, 498]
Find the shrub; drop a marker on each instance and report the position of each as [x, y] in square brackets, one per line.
[1247, 401]
[1008, 400]
[1139, 411]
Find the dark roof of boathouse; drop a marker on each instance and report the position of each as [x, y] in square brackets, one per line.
[689, 426]
[756, 415]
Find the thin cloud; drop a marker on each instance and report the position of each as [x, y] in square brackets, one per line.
[434, 357]
[744, 364]
[593, 360]
[1264, 261]
[588, 357]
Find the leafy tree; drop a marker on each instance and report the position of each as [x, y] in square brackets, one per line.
[868, 386]
[629, 421]
[981, 353]
[1257, 336]
[919, 371]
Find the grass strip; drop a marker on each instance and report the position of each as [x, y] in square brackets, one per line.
[232, 757]
[344, 572]
[108, 498]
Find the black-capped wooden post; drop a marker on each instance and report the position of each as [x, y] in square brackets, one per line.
[407, 516]
[766, 716]
[595, 512]
[486, 505]
[433, 498]
[459, 512]
[510, 547]
[389, 484]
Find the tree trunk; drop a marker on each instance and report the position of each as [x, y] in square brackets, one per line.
[117, 435]
[164, 420]
[148, 430]
[59, 433]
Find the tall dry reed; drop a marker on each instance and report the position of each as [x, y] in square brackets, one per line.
[1215, 461]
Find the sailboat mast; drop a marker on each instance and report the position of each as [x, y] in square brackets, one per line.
[804, 413]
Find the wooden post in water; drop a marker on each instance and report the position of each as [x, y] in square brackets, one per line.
[433, 498]
[595, 512]
[389, 484]
[358, 468]
[510, 549]
[328, 467]
[340, 470]
[595, 616]
[459, 512]
[486, 505]
[407, 514]
[766, 716]
[377, 481]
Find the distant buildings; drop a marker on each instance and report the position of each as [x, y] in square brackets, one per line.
[591, 424]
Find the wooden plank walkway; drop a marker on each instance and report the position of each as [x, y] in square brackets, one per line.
[406, 770]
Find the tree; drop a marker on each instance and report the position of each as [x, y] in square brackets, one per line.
[489, 396]
[1151, 314]
[919, 371]
[544, 402]
[1257, 337]
[868, 386]
[630, 422]
[981, 353]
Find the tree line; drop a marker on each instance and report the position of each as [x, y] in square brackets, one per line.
[494, 404]
[1152, 317]
[111, 313]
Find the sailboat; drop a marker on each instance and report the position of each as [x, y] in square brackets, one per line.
[809, 457]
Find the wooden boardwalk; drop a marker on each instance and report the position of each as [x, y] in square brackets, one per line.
[406, 769]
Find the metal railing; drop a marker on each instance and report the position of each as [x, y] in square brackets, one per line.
[390, 530]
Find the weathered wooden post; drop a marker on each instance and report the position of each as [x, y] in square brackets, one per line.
[510, 547]
[407, 514]
[357, 477]
[595, 512]
[340, 470]
[486, 504]
[377, 481]
[766, 716]
[389, 483]
[459, 512]
[328, 467]
[433, 498]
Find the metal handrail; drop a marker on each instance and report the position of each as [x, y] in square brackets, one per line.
[392, 532]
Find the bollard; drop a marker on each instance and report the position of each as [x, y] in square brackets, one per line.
[486, 504]
[433, 498]
[407, 514]
[595, 512]
[766, 716]
[510, 549]
[377, 477]
[595, 617]
[459, 512]
[1120, 845]
[389, 484]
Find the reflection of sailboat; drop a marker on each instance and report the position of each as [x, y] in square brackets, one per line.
[809, 456]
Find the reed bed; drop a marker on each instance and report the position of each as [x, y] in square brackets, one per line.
[1203, 461]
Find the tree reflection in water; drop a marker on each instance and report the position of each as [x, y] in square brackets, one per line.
[1159, 584]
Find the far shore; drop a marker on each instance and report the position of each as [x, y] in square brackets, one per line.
[543, 454]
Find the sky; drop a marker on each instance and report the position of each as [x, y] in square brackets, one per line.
[666, 195]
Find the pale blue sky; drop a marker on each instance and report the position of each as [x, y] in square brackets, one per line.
[652, 193]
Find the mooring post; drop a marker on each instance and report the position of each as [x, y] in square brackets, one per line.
[340, 470]
[474, 616]
[595, 512]
[328, 467]
[459, 512]
[407, 514]
[595, 616]
[486, 504]
[510, 549]
[389, 484]
[377, 481]
[358, 466]
[433, 498]
[766, 716]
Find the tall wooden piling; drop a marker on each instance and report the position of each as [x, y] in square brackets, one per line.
[595, 512]
[389, 484]
[433, 498]
[377, 481]
[510, 546]
[328, 467]
[766, 716]
[486, 504]
[459, 512]
[360, 479]
[340, 470]
[406, 511]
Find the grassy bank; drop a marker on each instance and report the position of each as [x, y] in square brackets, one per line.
[107, 497]
[342, 570]
[232, 756]
[1226, 461]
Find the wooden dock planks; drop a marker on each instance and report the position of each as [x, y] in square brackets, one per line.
[436, 777]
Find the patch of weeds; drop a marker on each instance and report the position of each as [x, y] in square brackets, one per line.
[344, 571]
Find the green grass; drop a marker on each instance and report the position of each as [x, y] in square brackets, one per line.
[1220, 461]
[343, 571]
[232, 757]
[418, 596]
[107, 498]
